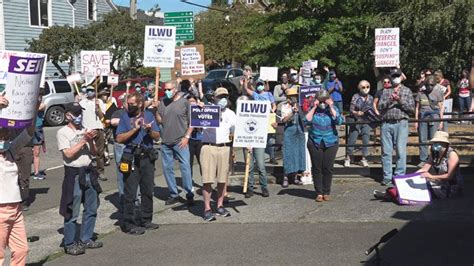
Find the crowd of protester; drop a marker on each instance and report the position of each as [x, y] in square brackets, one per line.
[310, 144]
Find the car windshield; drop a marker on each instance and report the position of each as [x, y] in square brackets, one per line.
[216, 74]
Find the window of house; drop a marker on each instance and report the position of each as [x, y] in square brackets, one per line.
[91, 10]
[250, 2]
[39, 13]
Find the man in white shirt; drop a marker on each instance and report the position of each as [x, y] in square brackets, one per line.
[215, 154]
[94, 110]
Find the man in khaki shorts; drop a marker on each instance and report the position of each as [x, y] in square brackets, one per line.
[215, 154]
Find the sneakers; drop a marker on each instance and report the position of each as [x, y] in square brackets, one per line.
[265, 193]
[285, 182]
[151, 226]
[380, 195]
[190, 201]
[347, 162]
[249, 194]
[171, 200]
[386, 182]
[91, 244]
[223, 212]
[364, 162]
[136, 231]
[209, 216]
[75, 249]
[38, 177]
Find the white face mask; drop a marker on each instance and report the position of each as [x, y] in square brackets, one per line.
[397, 80]
[318, 81]
[365, 91]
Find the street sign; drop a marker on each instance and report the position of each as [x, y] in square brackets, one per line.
[184, 23]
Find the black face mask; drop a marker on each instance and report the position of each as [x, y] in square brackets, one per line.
[132, 110]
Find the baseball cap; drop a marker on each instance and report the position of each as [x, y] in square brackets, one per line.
[221, 91]
[74, 108]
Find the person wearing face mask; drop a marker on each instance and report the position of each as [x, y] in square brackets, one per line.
[323, 142]
[294, 156]
[215, 155]
[80, 184]
[429, 105]
[361, 104]
[110, 104]
[137, 130]
[279, 90]
[334, 86]
[442, 171]
[396, 104]
[386, 84]
[317, 79]
[446, 89]
[173, 115]
[94, 110]
[464, 93]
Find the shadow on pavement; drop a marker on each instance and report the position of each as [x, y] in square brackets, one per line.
[36, 191]
[441, 233]
[298, 192]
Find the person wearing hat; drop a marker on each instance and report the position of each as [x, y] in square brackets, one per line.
[361, 104]
[110, 107]
[294, 156]
[323, 142]
[80, 184]
[441, 171]
[215, 155]
[395, 105]
[94, 110]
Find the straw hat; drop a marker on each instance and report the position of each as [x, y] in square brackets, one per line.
[440, 136]
[292, 91]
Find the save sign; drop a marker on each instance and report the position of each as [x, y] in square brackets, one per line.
[95, 63]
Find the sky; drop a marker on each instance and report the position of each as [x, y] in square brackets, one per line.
[167, 5]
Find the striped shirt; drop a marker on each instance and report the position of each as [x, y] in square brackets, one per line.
[323, 127]
[396, 110]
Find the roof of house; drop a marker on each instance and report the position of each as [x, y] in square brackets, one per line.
[149, 20]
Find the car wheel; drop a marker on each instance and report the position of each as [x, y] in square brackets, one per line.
[55, 116]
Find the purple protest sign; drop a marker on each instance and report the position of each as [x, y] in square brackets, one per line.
[22, 89]
[207, 116]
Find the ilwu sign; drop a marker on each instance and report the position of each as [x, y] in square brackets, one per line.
[160, 42]
[251, 129]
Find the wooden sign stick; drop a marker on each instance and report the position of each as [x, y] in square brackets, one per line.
[157, 84]
[247, 168]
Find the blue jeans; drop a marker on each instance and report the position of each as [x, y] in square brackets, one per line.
[259, 158]
[426, 132]
[355, 130]
[270, 149]
[464, 103]
[394, 133]
[89, 215]
[118, 151]
[339, 106]
[168, 154]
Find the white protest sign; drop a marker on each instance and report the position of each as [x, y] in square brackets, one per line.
[387, 47]
[412, 189]
[22, 89]
[251, 129]
[5, 60]
[269, 73]
[160, 42]
[113, 79]
[95, 63]
[310, 64]
[448, 107]
[76, 77]
[191, 62]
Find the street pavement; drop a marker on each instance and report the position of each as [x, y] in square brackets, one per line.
[289, 227]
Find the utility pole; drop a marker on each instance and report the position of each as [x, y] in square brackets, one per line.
[133, 9]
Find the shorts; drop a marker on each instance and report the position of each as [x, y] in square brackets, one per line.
[38, 138]
[215, 164]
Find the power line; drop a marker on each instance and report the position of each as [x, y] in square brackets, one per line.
[207, 7]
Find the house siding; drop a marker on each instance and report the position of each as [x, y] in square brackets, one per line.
[81, 11]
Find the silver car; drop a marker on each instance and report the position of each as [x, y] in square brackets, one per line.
[57, 94]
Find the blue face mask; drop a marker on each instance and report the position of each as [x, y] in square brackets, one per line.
[223, 103]
[169, 94]
[260, 87]
[436, 147]
[4, 146]
[77, 121]
[90, 94]
[83, 90]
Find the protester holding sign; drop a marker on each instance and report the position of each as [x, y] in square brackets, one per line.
[464, 93]
[12, 225]
[279, 90]
[334, 86]
[173, 115]
[215, 156]
[361, 106]
[429, 105]
[323, 142]
[293, 138]
[396, 104]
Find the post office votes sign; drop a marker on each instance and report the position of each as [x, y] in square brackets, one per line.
[95, 63]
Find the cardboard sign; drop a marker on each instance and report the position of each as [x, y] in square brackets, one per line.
[189, 62]
[76, 77]
[251, 129]
[271, 119]
[5, 60]
[308, 93]
[22, 89]
[412, 189]
[387, 47]
[269, 73]
[310, 64]
[160, 42]
[448, 107]
[113, 79]
[207, 116]
[95, 63]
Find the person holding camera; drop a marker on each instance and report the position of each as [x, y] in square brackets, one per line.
[396, 104]
[137, 129]
[80, 184]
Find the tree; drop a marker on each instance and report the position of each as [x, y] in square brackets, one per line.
[221, 3]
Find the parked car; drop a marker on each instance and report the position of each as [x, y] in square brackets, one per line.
[57, 94]
[232, 75]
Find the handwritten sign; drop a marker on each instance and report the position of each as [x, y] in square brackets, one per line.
[22, 89]
[387, 47]
[95, 63]
[412, 189]
[5, 61]
[191, 62]
[269, 73]
[207, 116]
[251, 129]
[160, 42]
